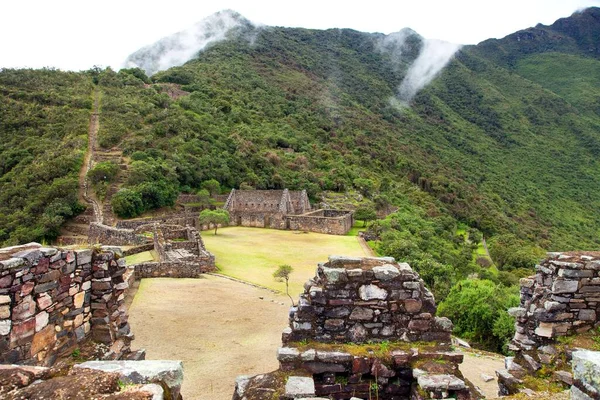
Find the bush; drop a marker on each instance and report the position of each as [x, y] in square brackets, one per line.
[127, 203]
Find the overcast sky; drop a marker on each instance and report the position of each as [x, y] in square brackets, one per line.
[78, 34]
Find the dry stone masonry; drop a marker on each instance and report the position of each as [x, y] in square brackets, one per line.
[364, 328]
[561, 299]
[51, 299]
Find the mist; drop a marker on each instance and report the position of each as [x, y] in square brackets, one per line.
[432, 59]
[179, 48]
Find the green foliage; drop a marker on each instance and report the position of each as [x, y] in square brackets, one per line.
[215, 217]
[365, 214]
[212, 185]
[282, 273]
[127, 203]
[103, 172]
[509, 252]
[478, 310]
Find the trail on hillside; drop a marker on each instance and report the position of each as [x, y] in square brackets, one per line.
[84, 184]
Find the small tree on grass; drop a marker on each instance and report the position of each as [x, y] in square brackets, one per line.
[365, 214]
[216, 217]
[283, 274]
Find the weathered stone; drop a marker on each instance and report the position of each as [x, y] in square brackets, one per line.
[419, 325]
[386, 272]
[517, 312]
[334, 275]
[308, 355]
[337, 312]
[564, 377]
[44, 287]
[570, 273]
[334, 324]
[12, 263]
[44, 301]
[334, 357]
[586, 371]
[5, 326]
[83, 256]
[587, 315]
[298, 387]
[41, 320]
[43, 339]
[357, 333]
[287, 354]
[526, 282]
[370, 292]
[533, 365]
[86, 285]
[78, 300]
[565, 286]
[413, 305]
[4, 300]
[316, 367]
[361, 313]
[437, 383]
[354, 273]
[166, 372]
[443, 324]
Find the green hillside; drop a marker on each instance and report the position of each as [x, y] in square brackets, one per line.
[503, 143]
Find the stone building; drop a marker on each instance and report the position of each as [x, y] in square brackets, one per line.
[284, 209]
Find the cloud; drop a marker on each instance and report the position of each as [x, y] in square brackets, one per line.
[434, 56]
[179, 48]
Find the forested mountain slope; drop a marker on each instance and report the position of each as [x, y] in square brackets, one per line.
[505, 139]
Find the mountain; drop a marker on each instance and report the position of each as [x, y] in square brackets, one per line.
[505, 139]
[182, 46]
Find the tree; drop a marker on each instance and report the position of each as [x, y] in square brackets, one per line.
[215, 217]
[127, 203]
[212, 185]
[478, 310]
[365, 213]
[283, 274]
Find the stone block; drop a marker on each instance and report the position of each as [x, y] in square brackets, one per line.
[44, 339]
[41, 320]
[83, 256]
[570, 273]
[24, 309]
[334, 324]
[386, 272]
[371, 292]
[361, 313]
[12, 263]
[298, 387]
[165, 372]
[334, 357]
[288, 354]
[419, 325]
[586, 371]
[5, 326]
[334, 275]
[78, 299]
[565, 286]
[413, 305]
[44, 301]
[587, 315]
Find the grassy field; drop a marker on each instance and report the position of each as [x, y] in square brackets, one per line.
[253, 254]
[145, 256]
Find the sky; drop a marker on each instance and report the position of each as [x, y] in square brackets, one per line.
[78, 34]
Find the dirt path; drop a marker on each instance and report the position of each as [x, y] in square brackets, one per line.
[85, 193]
[365, 246]
[474, 365]
[219, 328]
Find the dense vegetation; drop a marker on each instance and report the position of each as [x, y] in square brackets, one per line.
[505, 141]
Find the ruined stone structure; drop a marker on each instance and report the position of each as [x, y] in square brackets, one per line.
[561, 299]
[108, 235]
[284, 209]
[51, 299]
[364, 328]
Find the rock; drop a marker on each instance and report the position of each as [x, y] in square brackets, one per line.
[357, 333]
[241, 382]
[517, 312]
[155, 390]
[460, 342]
[545, 329]
[287, 354]
[5, 327]
[43, 339]
[441, 382]
[372, 292]
[413, 305]
[587, 315]
[361, 313]
[84, 256]
[443, 324]
[564, 377]
[554, 306]
[4, 300]
[308, 355]
[486, 378]
[334, 324]
[334, 357]
[298, 387]
[586, 371]
[533, 365]
[41, 320]
[334, 275]
[167, 372]
[386, 272]
[565, 286]
[507, 383]
[78, 299]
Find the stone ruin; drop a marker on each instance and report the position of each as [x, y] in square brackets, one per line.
[363, 328]
[54, 302]
[561, 299]
[284, 209]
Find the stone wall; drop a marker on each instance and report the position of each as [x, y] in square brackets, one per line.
[108, 235]
[332, 222]
[562, 298]
[257, 219]
[178, 218]
[173, 269]
[51, 299]
[364, 328]
[361, 299]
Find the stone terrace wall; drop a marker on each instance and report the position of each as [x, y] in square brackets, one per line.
[173, 269]
[181, 219]
[333, 222]
[360, 299]
[108, 235]
[51, 299]
[562, 298]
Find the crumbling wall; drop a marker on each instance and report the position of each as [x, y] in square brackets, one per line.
[173, 269]
[332, 222]
[361, 299]
[561, 299]
[108, 235]
[364, 328]
[51, 299]
[177, 218]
